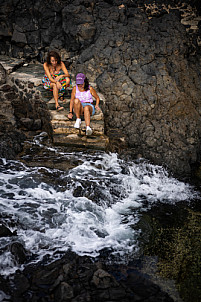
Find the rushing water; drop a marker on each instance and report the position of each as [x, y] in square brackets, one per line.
[92, 206]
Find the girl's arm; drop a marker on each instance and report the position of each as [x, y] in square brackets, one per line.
[70, 115]
[65, 75]
[63, 67]
[95, 95]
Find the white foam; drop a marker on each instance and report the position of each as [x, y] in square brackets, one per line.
[3, 296]
[51, 219]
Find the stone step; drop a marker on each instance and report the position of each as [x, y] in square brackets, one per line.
[11, 64]
[64, 132]
[82, 141]
[62, 125]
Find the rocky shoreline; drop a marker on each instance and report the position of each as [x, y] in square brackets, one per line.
[76, 278]
[166, 262]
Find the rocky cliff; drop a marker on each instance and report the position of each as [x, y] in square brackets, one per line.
[143, 55]
[22, 115]
[10, 137]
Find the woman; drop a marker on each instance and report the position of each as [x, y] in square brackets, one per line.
[56, 76]
[82, 102]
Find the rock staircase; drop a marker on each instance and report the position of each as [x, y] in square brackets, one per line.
[26, 78]
[66, 134]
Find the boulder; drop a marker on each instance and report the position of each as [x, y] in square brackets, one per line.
[18, 252]
[64, 292]
[102, 279]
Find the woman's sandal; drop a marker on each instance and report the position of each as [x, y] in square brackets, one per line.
[59, 108]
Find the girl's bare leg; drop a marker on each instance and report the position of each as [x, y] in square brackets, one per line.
[55, 94]
[87, 115]
[67, 81]
[77, 107]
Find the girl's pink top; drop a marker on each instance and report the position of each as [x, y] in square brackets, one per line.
[84, 96]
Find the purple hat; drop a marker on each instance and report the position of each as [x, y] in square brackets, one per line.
[80, 78]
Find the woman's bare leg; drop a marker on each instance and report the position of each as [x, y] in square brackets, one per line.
[87, 115]
[77, 107]
[67, 82]
[55, 93]
[66, 85]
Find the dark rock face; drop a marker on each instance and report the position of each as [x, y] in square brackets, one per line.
[79, 23]
[143, 57]
[151, 88]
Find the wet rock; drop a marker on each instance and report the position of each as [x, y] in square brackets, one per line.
[120, 294]
[4, 289]
[101, 295]
[45, 277]
[64, 293]
[75, 278]
[101, 279]
[37, 124]
[26, 122]
[42, 136]
[85, 297]
[18, 252]
[78, 191]
[145, 289]
[21, 285]
[4, 231]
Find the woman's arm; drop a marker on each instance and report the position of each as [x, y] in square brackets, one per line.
[65, 71]
[70, 115]
[95, 95]
[47, 72]
[63, 67]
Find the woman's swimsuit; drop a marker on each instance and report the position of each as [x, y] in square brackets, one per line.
[46, 82]
[85, 98]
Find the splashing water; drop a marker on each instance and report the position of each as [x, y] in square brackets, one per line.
[91, 207]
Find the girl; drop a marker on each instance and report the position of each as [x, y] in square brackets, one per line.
[56, 76]
[82, 102]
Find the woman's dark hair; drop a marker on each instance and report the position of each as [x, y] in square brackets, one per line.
[55, 55]
[86, 84]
